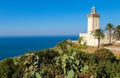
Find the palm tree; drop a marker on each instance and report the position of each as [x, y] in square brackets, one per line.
[109, 28]
[117, 32]
[98, 34]
[80, 40]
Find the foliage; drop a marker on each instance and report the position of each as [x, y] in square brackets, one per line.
[117, 32]
[98, 34]
[38, 75]
[104, 54]
[80, 40]
[109, 27]
[64, 45]
[9, 70]
[70, 74]
[70, 64]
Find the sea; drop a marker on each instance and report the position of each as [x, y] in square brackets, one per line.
[14, 46]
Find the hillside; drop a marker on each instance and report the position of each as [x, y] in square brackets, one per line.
[65, 60]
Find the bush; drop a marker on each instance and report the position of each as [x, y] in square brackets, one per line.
[104, 54]
[64, 45]
[72, 63]
[47, 55]
[7, 68]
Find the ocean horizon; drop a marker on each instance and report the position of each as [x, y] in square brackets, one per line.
[18, 45]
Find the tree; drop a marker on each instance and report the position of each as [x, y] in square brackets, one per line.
[109, 28]
[80, 40]
[98, 34]
[117, 32]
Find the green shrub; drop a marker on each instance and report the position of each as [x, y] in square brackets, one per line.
[70, 64]
[64, 45]
[7, 68]
[104, 54]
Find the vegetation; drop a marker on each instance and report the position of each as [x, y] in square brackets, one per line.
[70, 63]
[80, 40]
[98, 34]
[117, 32]
[109, 28]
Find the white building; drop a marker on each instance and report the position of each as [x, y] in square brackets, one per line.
[93, 24]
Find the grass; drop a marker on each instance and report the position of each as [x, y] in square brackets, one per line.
[91, 49]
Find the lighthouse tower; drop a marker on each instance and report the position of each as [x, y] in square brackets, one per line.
[93, 20]
[93, 24]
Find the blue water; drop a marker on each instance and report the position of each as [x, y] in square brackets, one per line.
[15, 46]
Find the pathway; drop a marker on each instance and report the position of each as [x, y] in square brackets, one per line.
[117, 49]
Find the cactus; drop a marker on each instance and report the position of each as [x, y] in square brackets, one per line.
[77, 62]
[31, 63]
[15, 61]
[70, 74]
[69, 61]
[37, 75]
[84, 69]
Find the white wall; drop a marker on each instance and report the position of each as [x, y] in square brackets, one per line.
[93, 23]
[89, 39]
[90, 24]
[96, 23]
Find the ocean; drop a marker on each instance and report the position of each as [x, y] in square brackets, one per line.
[15, 46]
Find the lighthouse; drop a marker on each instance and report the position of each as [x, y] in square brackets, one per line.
[93, 24]
[93, 20]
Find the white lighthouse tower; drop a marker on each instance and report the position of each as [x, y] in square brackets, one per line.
[93, 20]
[93, 24]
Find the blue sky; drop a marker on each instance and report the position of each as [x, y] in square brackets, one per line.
[53, 17]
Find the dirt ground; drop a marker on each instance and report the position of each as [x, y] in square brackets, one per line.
[89, 49]
[115, 49]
